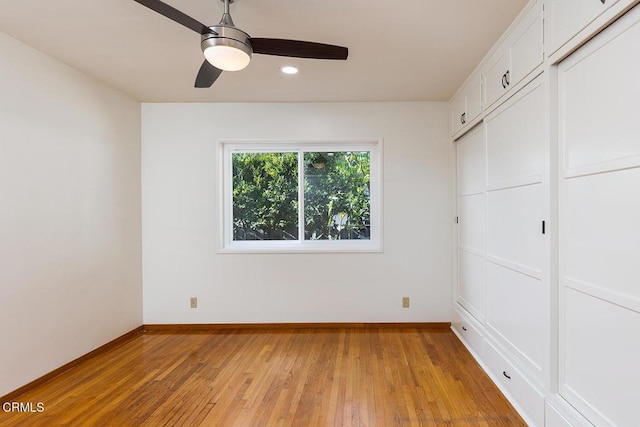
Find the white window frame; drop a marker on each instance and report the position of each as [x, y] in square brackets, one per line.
[228, 245]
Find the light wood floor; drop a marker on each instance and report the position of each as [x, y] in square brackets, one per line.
[368, 376]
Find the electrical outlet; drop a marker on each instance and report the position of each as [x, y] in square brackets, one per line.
[194, 302]
[405, 302]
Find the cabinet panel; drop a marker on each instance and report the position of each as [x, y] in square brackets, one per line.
[600, 372]
[472, 221]
[520, 53]
[471, 283]
[569, 17]
[526, 398]
[472, 166]
[601, 236]
[458, 107]
[467, 105]
[516, 310]
[495, 76]
[514, 227]
[473, 95]
[599, 100]
[515, 135]
[527, 44]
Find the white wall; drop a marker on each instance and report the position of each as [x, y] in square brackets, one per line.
[70, 252]
[180, 223]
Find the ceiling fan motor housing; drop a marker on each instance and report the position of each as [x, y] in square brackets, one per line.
[227, 37]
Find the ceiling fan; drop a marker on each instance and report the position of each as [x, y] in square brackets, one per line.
[227, 48]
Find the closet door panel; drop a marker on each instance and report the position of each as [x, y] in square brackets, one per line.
[471, 283]
[515, 137]
[472, 165]
[602, 240]
[472, 224]
[515, 304]
[472, 221]
[601, 353]
[514, 227]
[600, 107]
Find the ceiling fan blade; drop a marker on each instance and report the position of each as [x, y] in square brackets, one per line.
[207, 75]
[298, 49]
[177, 16]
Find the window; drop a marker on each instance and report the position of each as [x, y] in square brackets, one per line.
[301, 196]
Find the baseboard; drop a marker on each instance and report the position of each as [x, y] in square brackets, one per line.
[205, 327]
[102, 349]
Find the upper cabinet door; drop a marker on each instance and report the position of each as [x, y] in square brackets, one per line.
[496, 76]
[473, 93]
[467, 104]
[520, 53]
[458, 108]
[526, 47]
[568, 17]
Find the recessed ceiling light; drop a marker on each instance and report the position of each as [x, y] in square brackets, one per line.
[289, 69]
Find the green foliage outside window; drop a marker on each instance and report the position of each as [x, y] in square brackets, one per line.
[336, 196]
[265, 196]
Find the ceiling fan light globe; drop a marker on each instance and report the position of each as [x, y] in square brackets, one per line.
[229, 50]
[227, 58]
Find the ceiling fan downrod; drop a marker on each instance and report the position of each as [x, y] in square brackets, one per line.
[226, 16]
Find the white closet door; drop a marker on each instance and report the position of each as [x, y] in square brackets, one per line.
[599, 213]
[516, 309]
[472, 221]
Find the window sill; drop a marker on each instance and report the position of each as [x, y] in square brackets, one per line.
[261, 247]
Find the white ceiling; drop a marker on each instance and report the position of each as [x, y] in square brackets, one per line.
[412, 50]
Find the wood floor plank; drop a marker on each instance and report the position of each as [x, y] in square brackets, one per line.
[351, 376]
